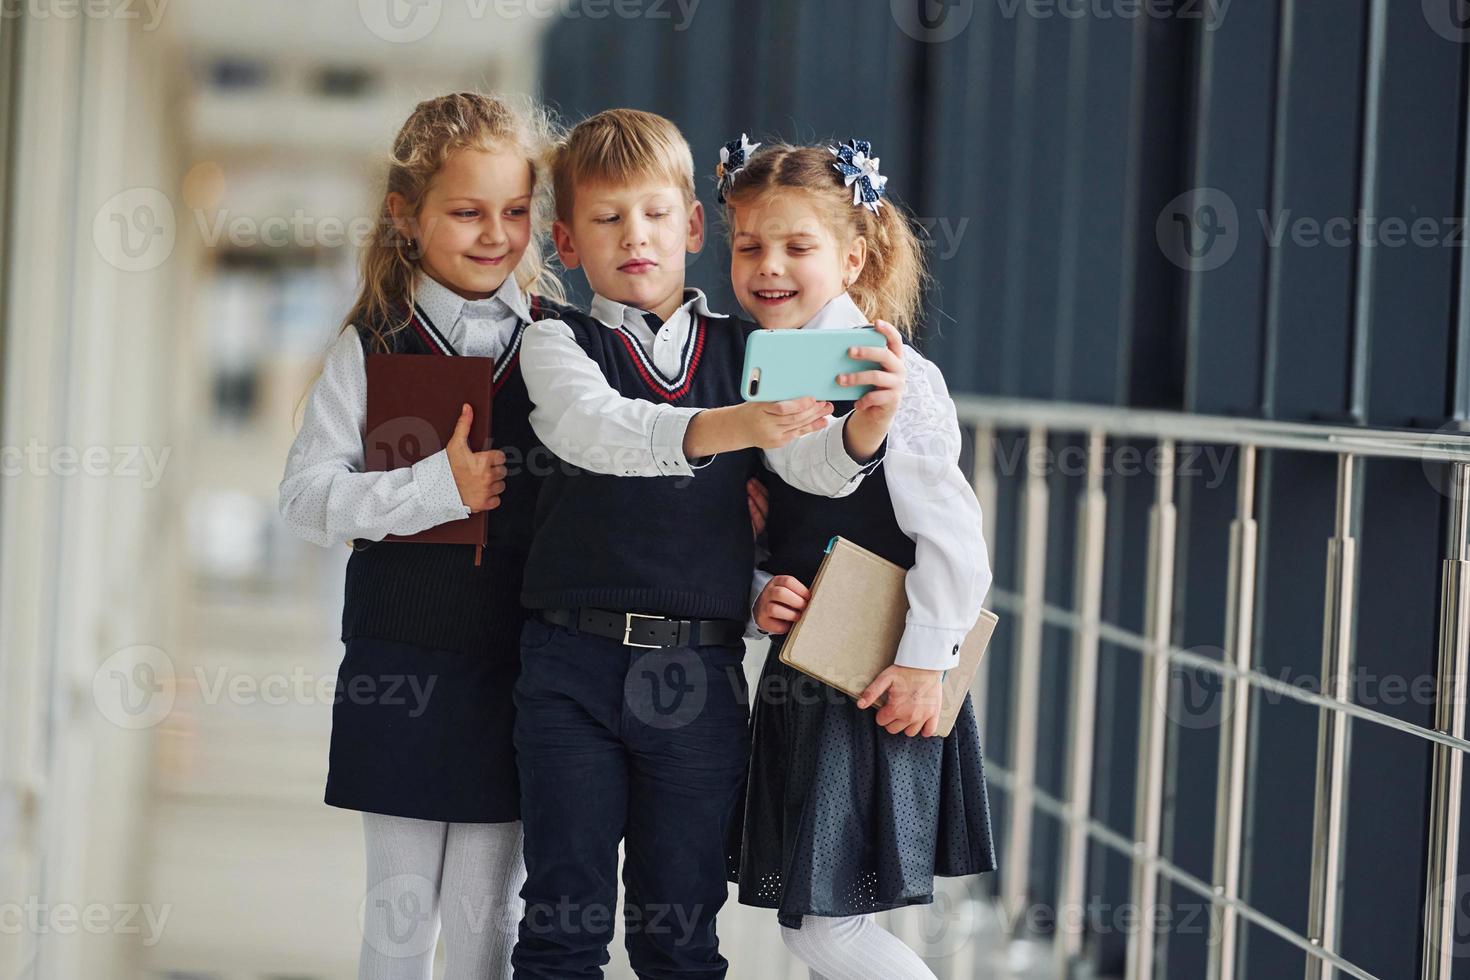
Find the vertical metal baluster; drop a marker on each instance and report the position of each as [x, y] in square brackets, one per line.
[1153, 717]
[1330, 811]
[1441, 900]
[1092, 512]
[987, 492]
[1240, 607]
[1017, 860]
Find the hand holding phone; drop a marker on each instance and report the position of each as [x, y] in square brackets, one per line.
[873, 414]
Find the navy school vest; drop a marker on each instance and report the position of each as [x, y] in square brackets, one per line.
[799, 524]
[434, 595]
[671, 545]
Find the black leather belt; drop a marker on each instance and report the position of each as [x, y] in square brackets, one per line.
[647, 631]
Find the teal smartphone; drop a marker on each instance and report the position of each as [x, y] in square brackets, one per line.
[781, 364]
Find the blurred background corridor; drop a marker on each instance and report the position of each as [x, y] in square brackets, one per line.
[1200, 289]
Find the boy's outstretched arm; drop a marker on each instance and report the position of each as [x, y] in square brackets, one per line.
[585, 421]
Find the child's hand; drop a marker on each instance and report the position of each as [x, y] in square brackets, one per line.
[771, 425]
[780, 604]
[759, 499]
[914, 699]
[479, 476]
[763, 425]
[873, 413]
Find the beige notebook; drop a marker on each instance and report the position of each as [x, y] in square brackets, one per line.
[852, 625]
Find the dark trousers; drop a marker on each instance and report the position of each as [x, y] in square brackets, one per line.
[646, 747]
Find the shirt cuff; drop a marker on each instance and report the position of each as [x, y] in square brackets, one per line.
[930, 647]
[666, 442]
[757, 586]
[438, 493]
[840, 460]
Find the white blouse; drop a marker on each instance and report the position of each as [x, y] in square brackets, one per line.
[588, 423]
[325, 496]
[933, 504]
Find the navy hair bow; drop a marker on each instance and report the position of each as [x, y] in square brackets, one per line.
[733, 157]
[859, 169]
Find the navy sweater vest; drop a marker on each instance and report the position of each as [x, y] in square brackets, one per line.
[799, 524]
[433, 595]
[671, 545]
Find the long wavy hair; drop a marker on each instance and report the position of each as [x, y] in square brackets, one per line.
[436, 129]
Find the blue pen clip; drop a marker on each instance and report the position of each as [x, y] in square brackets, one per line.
[833, 540]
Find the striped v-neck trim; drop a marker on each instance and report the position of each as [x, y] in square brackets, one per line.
[667, 388]
[436, 341]
[509, 356]
[512, 353]
[430, 333]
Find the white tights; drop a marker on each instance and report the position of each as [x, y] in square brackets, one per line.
[853, 948]
[423, 876]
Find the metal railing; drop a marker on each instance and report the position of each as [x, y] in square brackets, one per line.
[1235, 670]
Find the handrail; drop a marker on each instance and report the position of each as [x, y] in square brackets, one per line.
[1034, 422]
[1386, 443]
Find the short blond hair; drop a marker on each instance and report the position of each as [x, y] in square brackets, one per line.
[620, 146]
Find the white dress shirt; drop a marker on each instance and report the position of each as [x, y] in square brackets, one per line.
[325, 496]
[588, 423]
[933, 504]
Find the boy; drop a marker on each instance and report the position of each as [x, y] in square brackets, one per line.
[631, 706]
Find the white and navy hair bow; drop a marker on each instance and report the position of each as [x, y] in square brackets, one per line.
[859, 169]
[733, 157]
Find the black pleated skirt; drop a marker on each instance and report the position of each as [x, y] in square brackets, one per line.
[425, 733]
[842, 818]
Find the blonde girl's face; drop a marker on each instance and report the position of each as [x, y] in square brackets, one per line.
[474, 223]
[786, 263]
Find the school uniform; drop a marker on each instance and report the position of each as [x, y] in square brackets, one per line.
[842, 818]
[632, 710]
[423, 715]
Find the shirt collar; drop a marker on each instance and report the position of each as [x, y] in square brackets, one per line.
[839, 311]
[611, 313]
[445, 308]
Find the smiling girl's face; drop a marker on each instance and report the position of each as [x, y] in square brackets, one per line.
[785, 261]
[474, 223]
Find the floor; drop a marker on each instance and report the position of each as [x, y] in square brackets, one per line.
[262, 880]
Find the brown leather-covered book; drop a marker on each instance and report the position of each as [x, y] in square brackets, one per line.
[413, 403]
[851, 627]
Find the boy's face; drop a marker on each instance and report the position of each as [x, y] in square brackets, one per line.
[631, 240]
[785, 263]
[474, 222]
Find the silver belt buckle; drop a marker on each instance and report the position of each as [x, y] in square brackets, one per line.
[628, 631]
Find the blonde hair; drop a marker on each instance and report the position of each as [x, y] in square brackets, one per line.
[891, 284]
[620, 146]
[436, 129]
